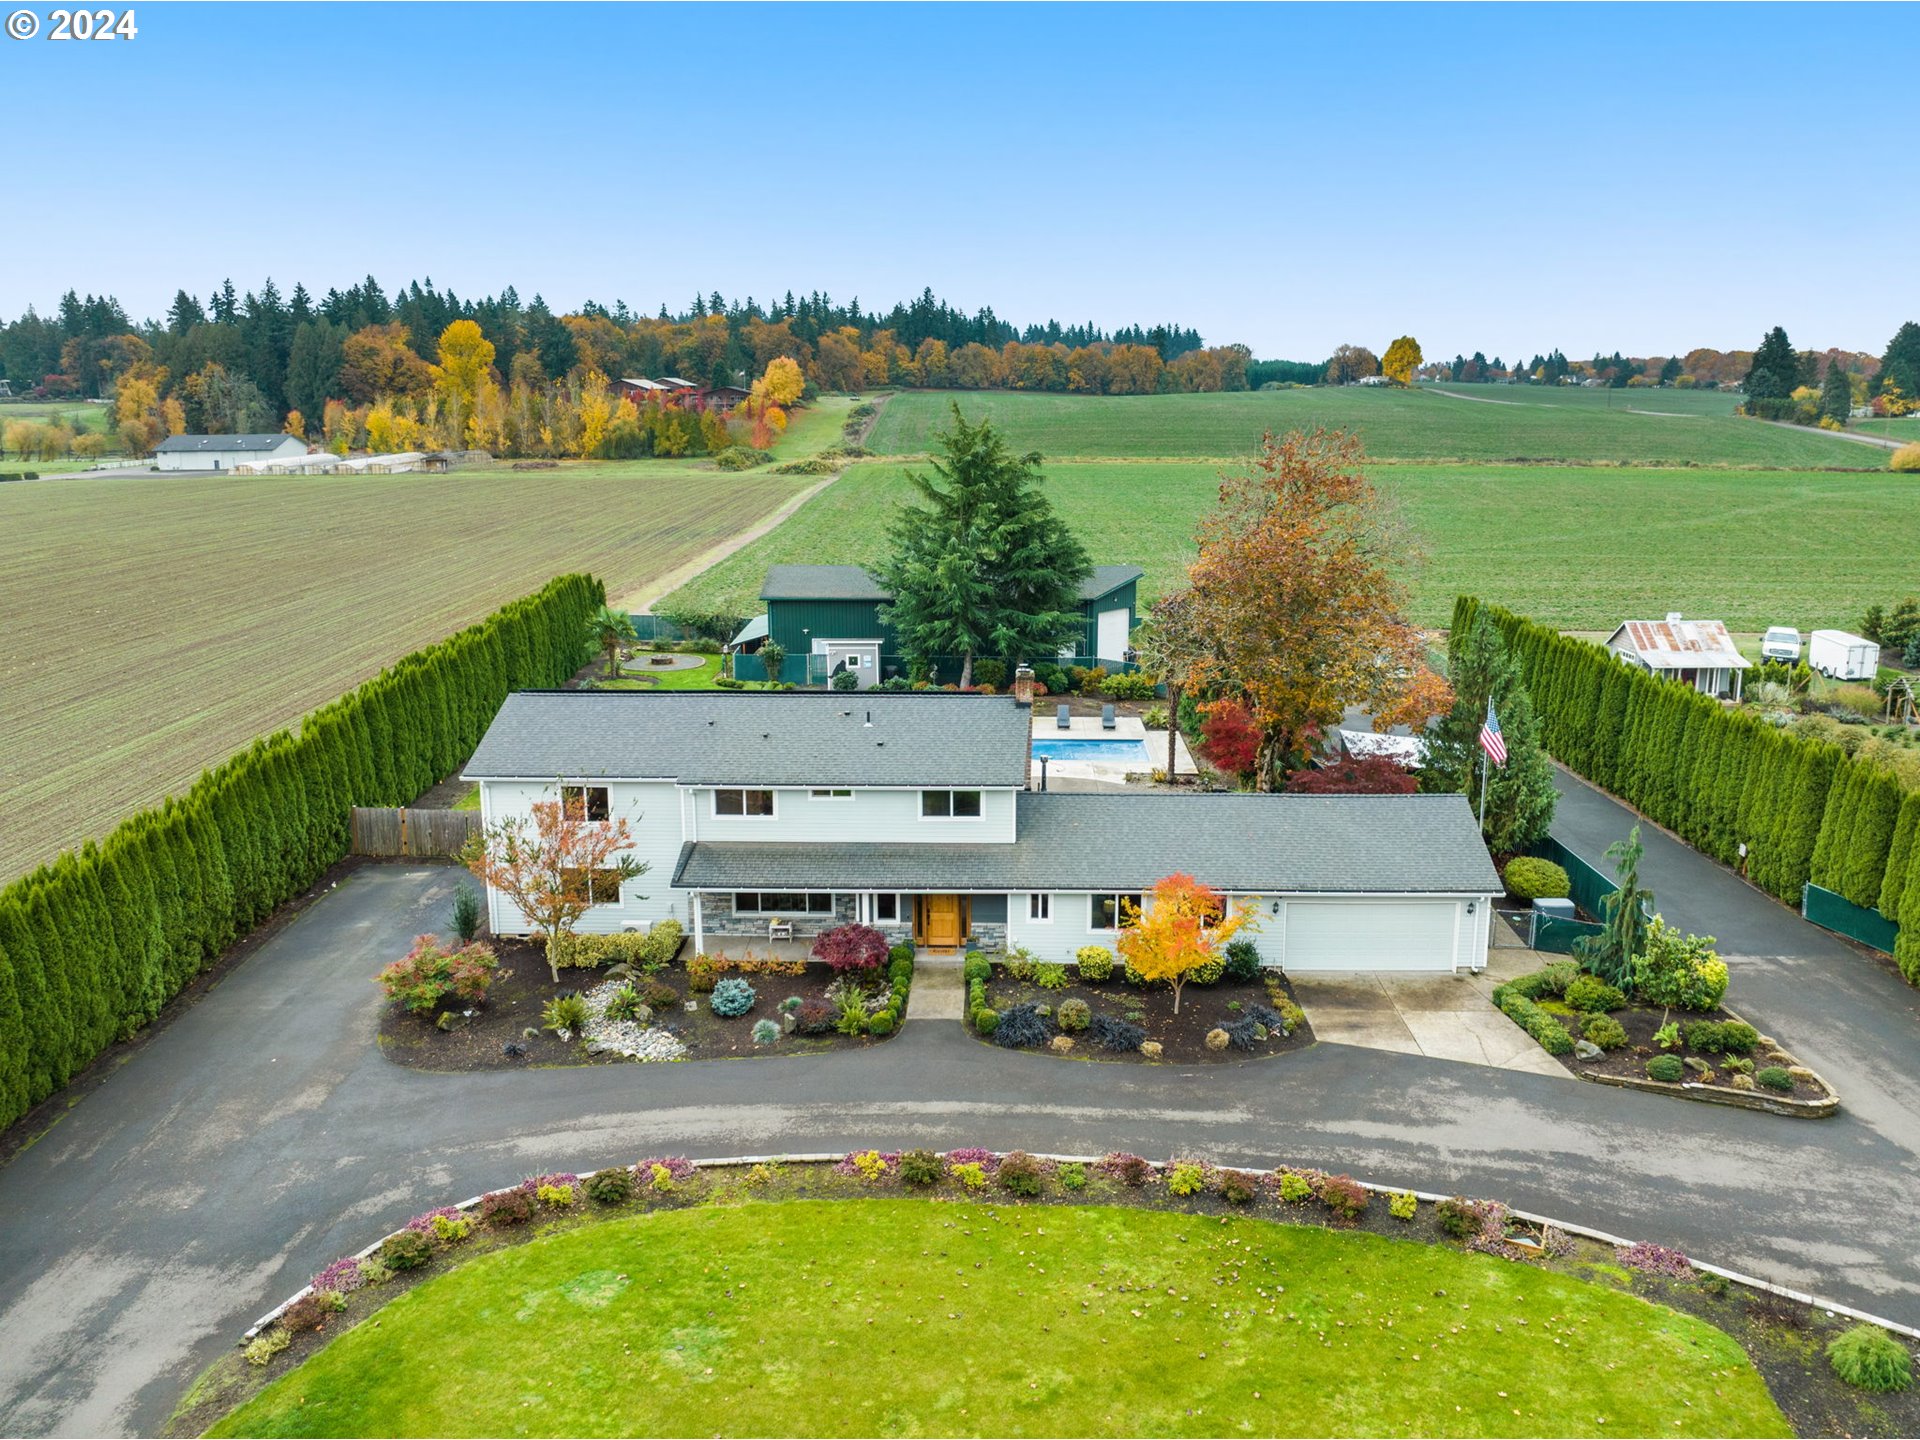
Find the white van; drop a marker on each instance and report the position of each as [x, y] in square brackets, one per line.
[1782, 643]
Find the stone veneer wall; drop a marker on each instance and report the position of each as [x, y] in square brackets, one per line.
[719, 919]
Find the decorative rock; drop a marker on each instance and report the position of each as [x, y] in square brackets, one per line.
[1586, 1050]
[1060, 1044]
[1741, 1082]
[1696, 1064]
[1217, 1039]
[787, 1022]
[1150, 1049]
[1801, 1072]
[637, 1039]
[621, 971]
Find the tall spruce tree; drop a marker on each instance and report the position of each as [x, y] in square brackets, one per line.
[1775, 366]
[1836, 395]
[1520, 794]
[984, 567]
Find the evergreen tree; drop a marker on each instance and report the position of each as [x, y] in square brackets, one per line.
[1520, 794]
[1775, 365]
[1901, 364]
[985, 567]
[1610, 954]
[1836, 395]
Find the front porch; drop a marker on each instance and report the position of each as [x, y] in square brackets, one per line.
[934, 923]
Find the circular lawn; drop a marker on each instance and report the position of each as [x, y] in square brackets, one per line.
[901, 1317]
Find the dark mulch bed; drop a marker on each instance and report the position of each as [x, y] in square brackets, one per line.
[523, 985]
[1640, 1022]
[1182, 1037]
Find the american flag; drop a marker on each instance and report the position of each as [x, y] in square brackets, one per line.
[1490, 740]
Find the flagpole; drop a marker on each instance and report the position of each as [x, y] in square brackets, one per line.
[1485, 761]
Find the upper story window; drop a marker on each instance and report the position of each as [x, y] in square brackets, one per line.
[585, 802]
[830, 794]
[949, 804]
[1113, 912]
[602, 887]
[743, 802]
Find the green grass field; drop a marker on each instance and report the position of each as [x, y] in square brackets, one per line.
[1577, 547]
[1500, 423]
[892, 1317]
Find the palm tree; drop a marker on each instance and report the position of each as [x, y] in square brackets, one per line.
[610, 629]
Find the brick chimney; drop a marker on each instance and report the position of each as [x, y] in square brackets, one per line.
[1023, 687]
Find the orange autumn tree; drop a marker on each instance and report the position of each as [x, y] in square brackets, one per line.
[1185, 928]
[1300, 587]
[554, 867]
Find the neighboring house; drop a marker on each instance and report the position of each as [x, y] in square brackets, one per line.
[223, 452]
[827, 619]
[684, 393]
[1699, 653]
[914, 813]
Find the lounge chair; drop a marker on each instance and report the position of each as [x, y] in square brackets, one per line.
[1106, 718]
[1063, 717]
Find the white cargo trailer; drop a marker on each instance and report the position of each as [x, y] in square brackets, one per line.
[1840, 656]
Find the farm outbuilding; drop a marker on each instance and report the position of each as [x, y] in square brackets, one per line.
[223, 452]
[1699, 653]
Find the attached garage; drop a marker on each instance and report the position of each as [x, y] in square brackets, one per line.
[1373, 934]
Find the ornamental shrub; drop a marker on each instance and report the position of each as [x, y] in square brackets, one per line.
[612, 1186]
[986, 1020]
[1722, 1037]
[1209, 971]
[1605, 1031]
[1236, 1187]
[1591, 995]
[1542, 1025]
[1020, 1174]
[1865, 1356]
[1665, 1067]
[881, 1024]
[900, 972]
[311, 1311]
[1110, 1032]
[646, 953]
[1906, 460]
[766, 1032]
[1294, 1188]
[1344, 1196]
[1681, 971]
[1072, 1175]
[1021, 964]
[1457, 1217]
[627, 1004]
[658, 995]
[430, 973]
[267, 1344]
[1773, 1077]
[1094, 962]
[731, 997]
[555, 1197]
[815, 1017]
[1129, 1170]
[406, 1250]
[466, 912]
[565, 1012]
[976, 967]
[1243, 961]
[1187, 1177]
[451, 1229]
[1050, 977]
[851, 947]
[1403, 1205]
[1551, 981]
[902, 951]
[506, 1207]
[971, 1174]
[1020, 1026]
[920, 1167]
[1527, 877]
[703, 973]
[1074, 1014]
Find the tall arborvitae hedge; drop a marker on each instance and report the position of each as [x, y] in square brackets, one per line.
[93, 945]
[1805, 809]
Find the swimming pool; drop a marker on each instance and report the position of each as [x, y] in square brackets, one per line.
[1130, 751]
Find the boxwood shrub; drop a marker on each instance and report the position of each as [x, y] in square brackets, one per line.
[1527, 877]
[1538, 1023]
[1665, 1067]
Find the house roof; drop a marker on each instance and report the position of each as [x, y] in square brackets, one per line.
[1258, 844]
[1677, 644]
[730, 737]
[851, 582]
[211, 444]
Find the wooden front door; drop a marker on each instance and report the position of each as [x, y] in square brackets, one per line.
[940, 921]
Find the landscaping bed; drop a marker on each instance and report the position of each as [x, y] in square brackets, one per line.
[1129, 1022]
[1174, 1298]
[509, 1029]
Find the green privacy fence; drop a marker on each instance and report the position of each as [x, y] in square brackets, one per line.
[1840, 915]
[1555, 935]
[1589, 885]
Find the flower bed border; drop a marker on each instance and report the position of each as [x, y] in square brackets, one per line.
[473, 1203]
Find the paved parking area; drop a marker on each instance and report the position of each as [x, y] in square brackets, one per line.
[1443, 1017]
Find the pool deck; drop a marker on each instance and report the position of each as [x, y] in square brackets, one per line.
[1106, 772]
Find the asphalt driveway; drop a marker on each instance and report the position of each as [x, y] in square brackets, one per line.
[262, 1135]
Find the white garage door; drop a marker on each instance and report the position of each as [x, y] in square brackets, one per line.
[1371, 934]
[1110, 635]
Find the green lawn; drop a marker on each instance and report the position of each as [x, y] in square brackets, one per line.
[691, 679]
[1578, 547]
[1501, 423]
[900, 1317]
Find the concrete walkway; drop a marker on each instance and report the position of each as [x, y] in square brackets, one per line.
[939, 990]
[1442, 1017]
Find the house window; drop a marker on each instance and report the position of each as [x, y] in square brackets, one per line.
[585, 802]
[1040, 908]
[602, 886]
[1112, 912]
[886, 906]
[949, 804]
[830, 794]
[743, 802]
[782, 902]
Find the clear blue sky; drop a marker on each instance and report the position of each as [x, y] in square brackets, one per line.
[1503, 177]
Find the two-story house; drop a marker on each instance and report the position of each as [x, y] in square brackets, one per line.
[915, 813]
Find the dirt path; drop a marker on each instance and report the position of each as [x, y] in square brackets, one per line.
[1476, 399]
[641, 602]
[1881, 441]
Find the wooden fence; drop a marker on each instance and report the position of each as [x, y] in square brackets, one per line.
[382, 830]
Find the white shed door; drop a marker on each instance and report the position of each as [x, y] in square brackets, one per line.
[1110, 631]
[1371, 934]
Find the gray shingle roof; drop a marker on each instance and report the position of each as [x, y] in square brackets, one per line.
[732, 737]
[1421, 844]
[210, 444]
[850, 582]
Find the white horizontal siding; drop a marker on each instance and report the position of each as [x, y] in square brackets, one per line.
[871, 816]
[652, 813]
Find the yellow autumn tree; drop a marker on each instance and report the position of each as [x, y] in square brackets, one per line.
[784, 380]
[596, 412]
[296, 425]
[382, 436]
[466, 359]
[1185, 929]
[1403, 357]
